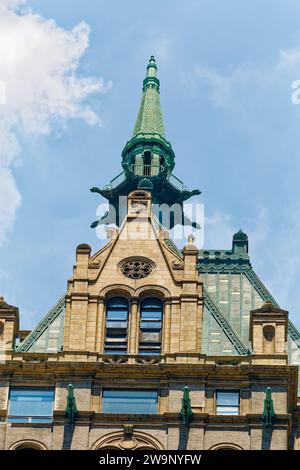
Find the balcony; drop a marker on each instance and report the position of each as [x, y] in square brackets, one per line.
[146, 170]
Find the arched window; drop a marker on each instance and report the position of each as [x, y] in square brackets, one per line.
[116, 336]
[151, 313]
[29, 447]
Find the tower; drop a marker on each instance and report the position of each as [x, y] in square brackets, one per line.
[148, 161]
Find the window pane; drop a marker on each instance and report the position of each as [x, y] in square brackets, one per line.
[31, 402]
[227, 410]
[152, 302]
[129, 401]
[228, 403]
[116, 315]
[151, 315]
[150, 325]
[227, 398]
[116, 326]
[117, 302]
[150, 352]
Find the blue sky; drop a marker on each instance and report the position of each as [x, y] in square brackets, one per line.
[226, 70]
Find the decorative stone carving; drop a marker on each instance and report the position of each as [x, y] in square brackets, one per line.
[148, 360]
[112, 232]
[177, 265]
[136, 268]
[128, 442]
[139, 207]
[128, 439]
[95, 264]
[114, 360]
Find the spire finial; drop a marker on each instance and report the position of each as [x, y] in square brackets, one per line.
[151, 73]
[152, 61]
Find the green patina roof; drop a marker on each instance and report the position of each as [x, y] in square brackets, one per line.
[150, 119]
[240, 236]
[48, 335]
[231, 290]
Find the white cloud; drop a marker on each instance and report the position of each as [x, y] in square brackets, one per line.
[5, 4]
[288, 58]
[39, 66]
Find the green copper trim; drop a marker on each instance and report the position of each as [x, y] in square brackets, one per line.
[169, 242]
[53, 313]
[216, 312]
[186, 414]
[240, 236]
[71, 408]
[268, 412]
[152, 63]
[226, 262]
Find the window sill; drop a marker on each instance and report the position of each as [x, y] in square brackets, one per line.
[30, 425]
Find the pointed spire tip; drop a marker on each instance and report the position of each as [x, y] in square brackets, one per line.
[152, 62]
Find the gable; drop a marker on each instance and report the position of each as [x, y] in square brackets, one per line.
[137, 239]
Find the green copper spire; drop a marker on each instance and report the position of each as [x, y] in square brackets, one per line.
[148, 153]
[148, 161]
[150, 120]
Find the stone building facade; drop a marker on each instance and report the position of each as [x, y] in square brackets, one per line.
[152, 347]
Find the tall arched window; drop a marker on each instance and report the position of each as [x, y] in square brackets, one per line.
[151, 313]
[116, 336]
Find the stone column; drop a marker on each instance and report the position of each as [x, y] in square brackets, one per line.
[100, 334]
[166, 328]
[133, 331]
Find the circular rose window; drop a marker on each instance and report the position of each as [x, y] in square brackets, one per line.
[136, 268]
